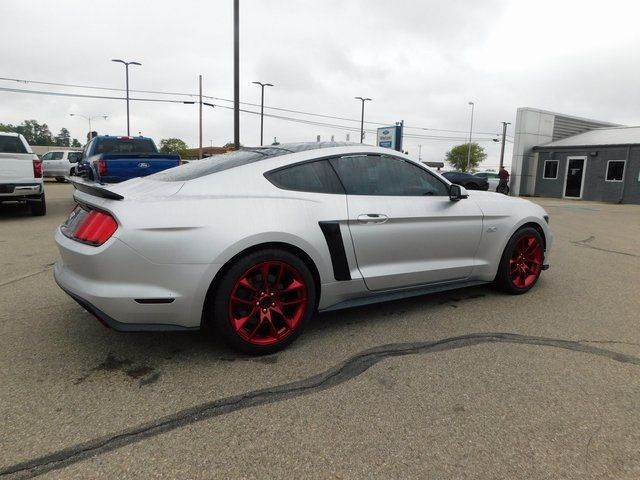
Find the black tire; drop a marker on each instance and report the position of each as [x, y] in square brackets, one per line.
[39, 208]
[72, 172]
[472, 186]
[218, 313]
[504, 280]
[504, 189]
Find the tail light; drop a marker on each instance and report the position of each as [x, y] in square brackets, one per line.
[93, 227]
[37, 168]
[101, 166]
[180, 162]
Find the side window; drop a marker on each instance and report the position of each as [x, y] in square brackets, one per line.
[46, 156]
[11, 145]
[56, 155]
[387, 176]
[74, 156]
[316, 177]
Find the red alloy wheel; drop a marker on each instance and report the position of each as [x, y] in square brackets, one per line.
[267, 303]
[525, 263]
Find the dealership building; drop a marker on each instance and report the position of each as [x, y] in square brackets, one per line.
[557, 155]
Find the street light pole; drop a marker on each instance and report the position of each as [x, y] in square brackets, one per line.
[504, 135]
[88, 118]
[236, 74]
[363, 99]
[262, 85]
[470, 134]
[126, 68]
[200, 114]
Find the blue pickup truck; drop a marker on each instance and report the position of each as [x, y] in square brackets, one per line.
[110, 159]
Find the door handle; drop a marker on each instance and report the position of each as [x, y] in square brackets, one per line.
[372, 218]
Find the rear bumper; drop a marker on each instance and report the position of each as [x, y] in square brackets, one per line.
[19, 191]
[128, 292]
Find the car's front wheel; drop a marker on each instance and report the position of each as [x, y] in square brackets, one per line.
[264, 301]
[521, 262]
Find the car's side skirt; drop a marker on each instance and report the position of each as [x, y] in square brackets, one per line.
[400, 294]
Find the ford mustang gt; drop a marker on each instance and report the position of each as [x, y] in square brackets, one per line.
[251, 243]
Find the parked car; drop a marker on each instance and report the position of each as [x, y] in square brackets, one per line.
[467, 180]
[21, 173]
[269, 235]
[107, 159]
[60, 164]
[492, 178]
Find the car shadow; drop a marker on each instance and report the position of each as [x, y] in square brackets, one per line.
[155, 348]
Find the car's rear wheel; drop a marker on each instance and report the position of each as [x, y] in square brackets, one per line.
[39, 207]
[521, 262]
[264, 301]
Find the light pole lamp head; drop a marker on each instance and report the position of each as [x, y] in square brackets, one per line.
[125, 63]
[364, 99]
[263, 84]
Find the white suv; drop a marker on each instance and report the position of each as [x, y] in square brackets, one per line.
[20, 173]
[59, 164]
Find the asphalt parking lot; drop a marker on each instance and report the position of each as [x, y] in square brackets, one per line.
[467, 384]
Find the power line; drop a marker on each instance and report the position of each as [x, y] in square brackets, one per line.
[220, 99]
[413, 136]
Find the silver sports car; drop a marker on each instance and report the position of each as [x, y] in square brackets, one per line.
[252, 243]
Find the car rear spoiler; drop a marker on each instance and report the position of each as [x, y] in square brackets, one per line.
[95, 190]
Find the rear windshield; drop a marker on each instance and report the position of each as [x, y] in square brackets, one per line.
[11, 145]
[217, 163]
[125, 145]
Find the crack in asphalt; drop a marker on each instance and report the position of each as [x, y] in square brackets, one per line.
[29, 275]
[587, 243]
[345, 371]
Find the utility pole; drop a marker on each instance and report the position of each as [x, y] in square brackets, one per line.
[200, 151]
[126, 65]
[504, 135]
[262, 85]
[363, 99]
[470, 134]
[236, 74]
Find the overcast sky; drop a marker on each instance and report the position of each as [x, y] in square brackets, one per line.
[420, 61]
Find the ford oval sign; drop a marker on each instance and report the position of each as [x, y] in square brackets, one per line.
[143, 165]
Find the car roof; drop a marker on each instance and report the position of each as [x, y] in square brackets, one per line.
[249, 155]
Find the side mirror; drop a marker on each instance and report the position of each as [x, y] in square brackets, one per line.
[456, 192]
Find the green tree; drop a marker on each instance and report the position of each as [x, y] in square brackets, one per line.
[75, 143]
[457, 156]
[34, 133]
[63, 139]
[7, 127]
[173, 145]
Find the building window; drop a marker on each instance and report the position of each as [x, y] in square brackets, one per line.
[615, 170]
[550, 169]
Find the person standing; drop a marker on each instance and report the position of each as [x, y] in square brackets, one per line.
[503, 185]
